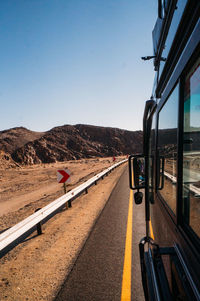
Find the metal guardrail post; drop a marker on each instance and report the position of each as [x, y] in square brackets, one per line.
[38, 226]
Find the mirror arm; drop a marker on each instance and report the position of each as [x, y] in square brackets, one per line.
[130, 172]
[149, 106]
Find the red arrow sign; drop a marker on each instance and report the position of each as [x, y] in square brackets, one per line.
[63, 175]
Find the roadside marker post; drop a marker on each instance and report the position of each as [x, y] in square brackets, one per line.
[63, 176]
[65, 191]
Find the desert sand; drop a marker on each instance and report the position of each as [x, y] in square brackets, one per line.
[30, 187]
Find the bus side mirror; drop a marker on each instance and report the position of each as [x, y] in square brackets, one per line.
[136, 172]
[138, 196]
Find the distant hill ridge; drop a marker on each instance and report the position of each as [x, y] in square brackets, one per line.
[17, 137]
[68, 142]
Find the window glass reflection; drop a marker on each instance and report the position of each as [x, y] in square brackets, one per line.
[167, 148]
[191, 149]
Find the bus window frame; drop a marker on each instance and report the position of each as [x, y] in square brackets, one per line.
[193, 237]
[188, 56]
[169, 67]
[189, 49]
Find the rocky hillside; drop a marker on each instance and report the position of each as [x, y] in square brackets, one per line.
[74, 142]
[14, 138]
[6, 161]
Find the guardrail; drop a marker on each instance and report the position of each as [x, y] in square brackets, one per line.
[13, 236]
[188, 186]
[169, 176]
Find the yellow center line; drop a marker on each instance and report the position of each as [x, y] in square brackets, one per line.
[151, 230]
[126, 280]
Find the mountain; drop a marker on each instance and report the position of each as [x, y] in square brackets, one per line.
[71, 142]
[17, 137]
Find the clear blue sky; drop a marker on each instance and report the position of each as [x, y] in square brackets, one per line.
[75, 61]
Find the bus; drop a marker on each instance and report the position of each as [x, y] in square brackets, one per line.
[168, 170]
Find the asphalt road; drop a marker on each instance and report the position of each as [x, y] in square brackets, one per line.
[99, 268]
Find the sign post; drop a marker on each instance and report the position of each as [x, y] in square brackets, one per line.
[63, 176]
[65, 188]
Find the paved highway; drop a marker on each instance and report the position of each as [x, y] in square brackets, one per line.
[108, 266]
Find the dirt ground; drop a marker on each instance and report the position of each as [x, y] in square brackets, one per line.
[36, 268]
[23, 190]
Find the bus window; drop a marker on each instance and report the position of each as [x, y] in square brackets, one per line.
[191, 149]
[167, 147]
